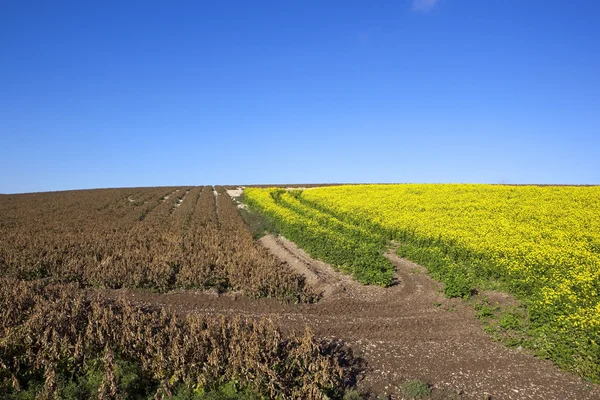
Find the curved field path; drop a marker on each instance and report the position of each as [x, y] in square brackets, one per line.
[407, 331]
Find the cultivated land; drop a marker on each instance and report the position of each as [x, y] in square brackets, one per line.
[164, 291]
[540, 244]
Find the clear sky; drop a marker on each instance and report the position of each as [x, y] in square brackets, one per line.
[147, 93]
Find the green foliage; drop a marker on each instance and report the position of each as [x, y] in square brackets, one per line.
[458, 285]
[227, 391]
[458, 280]
[132, 385]
[416, 389]
[484, 311]
[295, 193]
[510, 320]
[257, 223]
[131, 382]
[353, 395]
[31, 392]
[346, 246]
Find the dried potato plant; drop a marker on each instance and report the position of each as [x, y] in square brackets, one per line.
[153, 238]
[49, 332]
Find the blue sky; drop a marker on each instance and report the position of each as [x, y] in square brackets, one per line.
[147, 93]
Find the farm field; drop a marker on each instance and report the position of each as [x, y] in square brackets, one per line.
[150, 238]
[165, 292]
[540, 244]
[62, 337]
[59, 342]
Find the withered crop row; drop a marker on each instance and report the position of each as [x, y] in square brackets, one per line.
[156, 238]
[57, 342]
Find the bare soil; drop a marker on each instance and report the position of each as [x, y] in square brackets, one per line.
[407, 331]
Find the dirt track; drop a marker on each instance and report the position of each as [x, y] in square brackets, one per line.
[407, 331]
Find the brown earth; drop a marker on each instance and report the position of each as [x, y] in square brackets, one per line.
[407, 331]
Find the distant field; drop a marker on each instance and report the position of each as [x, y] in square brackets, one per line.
[539, 243]
[152, 238]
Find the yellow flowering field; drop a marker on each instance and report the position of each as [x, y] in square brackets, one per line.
[540, 243]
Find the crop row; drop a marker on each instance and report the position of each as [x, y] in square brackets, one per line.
[59, 343]
[346, 246]
[155, 238]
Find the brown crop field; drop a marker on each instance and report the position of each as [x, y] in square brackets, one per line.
[165, 293]
[157, 238]
[54, 331]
